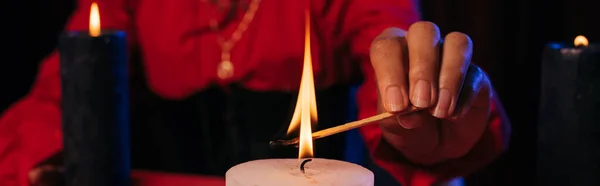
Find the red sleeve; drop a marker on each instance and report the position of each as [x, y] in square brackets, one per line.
[30, 130]
[364, 21]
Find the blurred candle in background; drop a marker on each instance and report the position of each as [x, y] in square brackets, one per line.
[569, 128]
[95, 105]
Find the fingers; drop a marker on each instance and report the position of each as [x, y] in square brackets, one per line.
[457, 52]
[423, 46]
[34, 175]
[388, 52]
[46, 175]
[475, 91]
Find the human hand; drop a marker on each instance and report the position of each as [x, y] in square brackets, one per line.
[46, 175]
[414, 68]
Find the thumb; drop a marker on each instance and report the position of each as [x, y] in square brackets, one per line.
[389, 58]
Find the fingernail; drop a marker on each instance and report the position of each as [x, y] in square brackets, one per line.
[406, 125]
[443, 105]
[394, 98]
[421, 94]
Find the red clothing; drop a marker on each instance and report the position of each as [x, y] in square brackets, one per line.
[181, 55]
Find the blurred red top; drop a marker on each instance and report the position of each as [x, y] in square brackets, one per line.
[181, 55]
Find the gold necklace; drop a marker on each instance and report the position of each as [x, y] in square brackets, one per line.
[225, 68]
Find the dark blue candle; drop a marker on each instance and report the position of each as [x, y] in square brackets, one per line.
[569, 128]
[95, 106]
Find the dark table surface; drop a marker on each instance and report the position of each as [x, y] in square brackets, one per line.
[151, 178]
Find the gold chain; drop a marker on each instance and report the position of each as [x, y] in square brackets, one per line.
[225, 68]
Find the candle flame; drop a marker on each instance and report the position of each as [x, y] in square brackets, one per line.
[306, 106]
[580, 41]
[94, 20]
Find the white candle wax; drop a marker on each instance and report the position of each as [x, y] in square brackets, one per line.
[280, 172]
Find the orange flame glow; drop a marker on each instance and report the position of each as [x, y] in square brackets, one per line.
[94, 20]
[580, 41]
[306, 106]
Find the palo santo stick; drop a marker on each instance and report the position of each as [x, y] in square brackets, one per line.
[345, 127]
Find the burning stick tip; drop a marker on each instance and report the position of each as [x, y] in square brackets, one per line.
[276, 143]
[282, 143]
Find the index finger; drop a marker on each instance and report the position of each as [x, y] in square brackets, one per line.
[389, 55]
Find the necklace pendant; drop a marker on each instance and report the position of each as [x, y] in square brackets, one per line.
[225, 69]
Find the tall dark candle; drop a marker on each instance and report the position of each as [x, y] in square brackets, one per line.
[569, 128]
[95, 110]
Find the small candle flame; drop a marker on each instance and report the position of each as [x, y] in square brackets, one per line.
[306, 106]
[94, 20]
[580, 41]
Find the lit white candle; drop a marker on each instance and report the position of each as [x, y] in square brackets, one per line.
[288, 172]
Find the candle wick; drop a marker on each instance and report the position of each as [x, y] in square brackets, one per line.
[304, 163]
